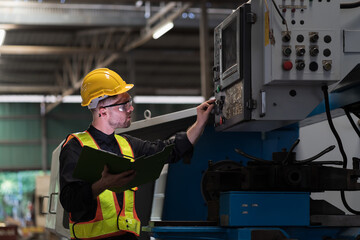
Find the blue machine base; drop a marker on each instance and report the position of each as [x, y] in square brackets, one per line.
[217, 233]
[239, 209]
[259, 216]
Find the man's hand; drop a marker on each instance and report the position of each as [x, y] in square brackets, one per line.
[203, 112]
[109, 180]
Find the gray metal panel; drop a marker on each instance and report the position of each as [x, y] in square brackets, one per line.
[54, 222]
[350, 19]
[162, 126]
[351, 41]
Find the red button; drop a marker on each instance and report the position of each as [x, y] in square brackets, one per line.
[287, 65]
[293, 10]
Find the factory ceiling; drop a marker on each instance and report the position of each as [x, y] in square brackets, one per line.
[50, 45]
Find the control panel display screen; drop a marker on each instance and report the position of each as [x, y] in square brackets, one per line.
[229, 46]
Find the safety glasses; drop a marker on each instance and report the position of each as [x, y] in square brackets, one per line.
[123, 107]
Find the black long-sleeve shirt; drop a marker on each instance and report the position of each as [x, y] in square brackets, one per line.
[76, 195]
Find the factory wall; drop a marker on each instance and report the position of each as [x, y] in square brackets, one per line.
[21, 130]
[20, 138]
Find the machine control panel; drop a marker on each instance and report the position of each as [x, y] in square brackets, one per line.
[265, 53]
[232, 66]
[306, 44]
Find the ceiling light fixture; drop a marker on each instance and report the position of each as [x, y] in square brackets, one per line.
[2, 36]
[163, 29]
[138, 4]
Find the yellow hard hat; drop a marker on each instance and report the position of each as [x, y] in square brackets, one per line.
[100, 84]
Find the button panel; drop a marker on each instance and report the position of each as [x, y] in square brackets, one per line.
[307, 48]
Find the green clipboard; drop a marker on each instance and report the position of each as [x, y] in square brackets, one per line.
[92, 161]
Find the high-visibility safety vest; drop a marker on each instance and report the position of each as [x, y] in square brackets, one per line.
[110, 220]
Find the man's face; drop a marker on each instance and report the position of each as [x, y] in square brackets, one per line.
[120, 116]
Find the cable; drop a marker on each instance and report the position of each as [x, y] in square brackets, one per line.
[342, 193]
[286, 159]
[252, 157]
[352, 121]
[309, 160]
[332, 127]
[327, 163]
[282, 17]
[350, 5]
[339, 142]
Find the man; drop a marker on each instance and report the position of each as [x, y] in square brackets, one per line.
[95, 212]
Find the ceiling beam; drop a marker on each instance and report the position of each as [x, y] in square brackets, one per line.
[27, 78]
[41, 89]
[49, 50]
[77, 85]
[27, 66]
[168, 91]
[56, 50]
[160, 14]
[97, 31]
[148, 32]
[26, 13]
[152, 1]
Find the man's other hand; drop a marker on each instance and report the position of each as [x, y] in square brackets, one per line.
[109, 180]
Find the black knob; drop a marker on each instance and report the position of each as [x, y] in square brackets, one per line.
[314, 37]
[287, 51]
[327, 39]
[314, 51]
[313, 66]
[300, 65]
[327, 52]
[300, 38]
[216, 110]
[300, 51]
[286, 37]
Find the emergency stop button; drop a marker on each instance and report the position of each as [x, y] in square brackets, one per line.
[287, 65]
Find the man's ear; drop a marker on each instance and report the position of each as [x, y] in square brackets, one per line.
[102, 111]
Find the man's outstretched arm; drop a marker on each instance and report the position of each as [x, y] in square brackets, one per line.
[203, 113]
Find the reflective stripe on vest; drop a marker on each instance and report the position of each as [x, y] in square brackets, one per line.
[108, 221]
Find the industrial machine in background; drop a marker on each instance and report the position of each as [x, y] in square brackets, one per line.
[275, 63]
[271, 59]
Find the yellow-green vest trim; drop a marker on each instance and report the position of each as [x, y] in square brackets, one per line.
[109, 220]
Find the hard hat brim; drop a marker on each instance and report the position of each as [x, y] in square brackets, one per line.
[101, 94]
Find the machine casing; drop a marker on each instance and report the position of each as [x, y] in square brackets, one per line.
[240, 209]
